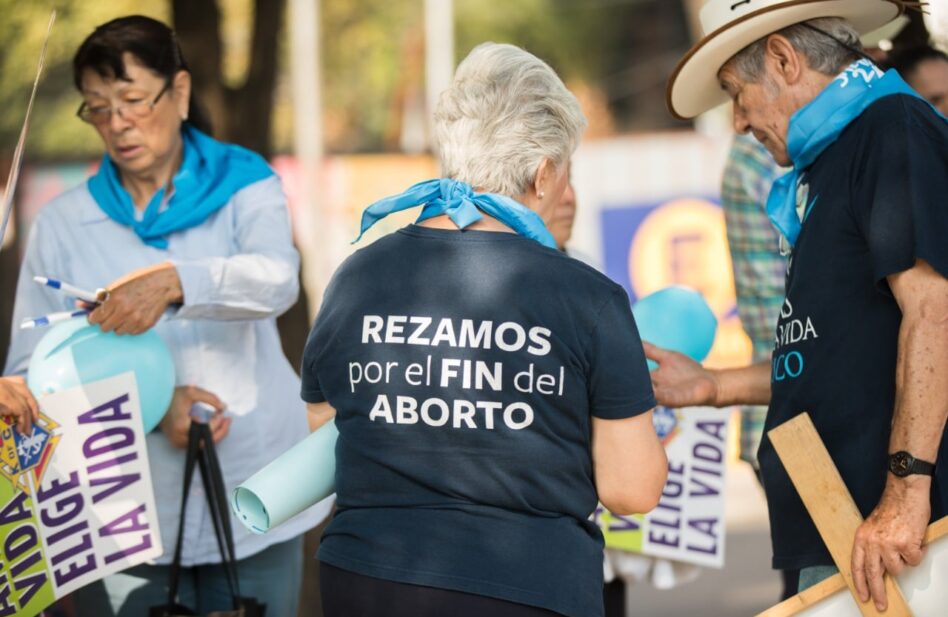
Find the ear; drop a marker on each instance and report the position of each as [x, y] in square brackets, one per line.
[545, 178]
[788, 64]
[181, 85]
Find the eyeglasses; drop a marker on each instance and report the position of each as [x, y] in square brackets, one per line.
[133, 110]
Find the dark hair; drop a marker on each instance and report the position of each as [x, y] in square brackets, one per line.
[906, 61]
[154, 45]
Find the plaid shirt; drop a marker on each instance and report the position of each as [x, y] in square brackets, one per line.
[759, 268]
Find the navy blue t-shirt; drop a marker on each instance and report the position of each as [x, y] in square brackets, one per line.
[879, 199]
[464, 368]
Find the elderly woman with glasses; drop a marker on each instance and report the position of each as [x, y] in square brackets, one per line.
[190, 237]
[487, 388]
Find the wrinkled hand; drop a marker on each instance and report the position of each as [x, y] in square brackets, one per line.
[137, 300]
[679, 381]
[16, 401]
[891, 537]
[177, 421]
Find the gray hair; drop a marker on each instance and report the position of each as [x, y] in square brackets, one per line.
[822, 53]
[504, 113]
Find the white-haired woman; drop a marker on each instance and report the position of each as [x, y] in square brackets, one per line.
[487, 388]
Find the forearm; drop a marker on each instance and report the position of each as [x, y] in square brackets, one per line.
[921, 400]
[747, 385]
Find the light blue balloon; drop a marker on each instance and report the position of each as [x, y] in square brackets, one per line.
[676, 318]
[74, 353]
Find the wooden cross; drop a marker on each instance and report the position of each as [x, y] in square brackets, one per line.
[836, 517]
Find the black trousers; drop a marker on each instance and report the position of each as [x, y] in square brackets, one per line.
[347, 594]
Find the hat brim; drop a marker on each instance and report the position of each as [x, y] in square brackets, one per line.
[693, 87]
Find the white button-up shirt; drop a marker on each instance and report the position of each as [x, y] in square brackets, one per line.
[238, 271]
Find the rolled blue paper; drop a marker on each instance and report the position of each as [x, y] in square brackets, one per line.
[75, 352]
[676, 318]
[301, 477]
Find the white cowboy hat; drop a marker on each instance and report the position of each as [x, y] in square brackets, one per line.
[731, 25]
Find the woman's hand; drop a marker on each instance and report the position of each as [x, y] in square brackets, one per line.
[17, 401]
[679, 381]
[177, 421]
[137, 300]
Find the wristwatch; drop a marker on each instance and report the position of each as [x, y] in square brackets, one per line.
[904, 464]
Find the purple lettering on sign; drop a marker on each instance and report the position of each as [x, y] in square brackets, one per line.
[126, 523]
[74, 570]
[57, 486]
[655, 538]
[68, 508]
[717, 430]
[18, 542]
[112, 462]
[624, 523]
[107, 412]
[705, 526]
[141, 546]
[6, 608]
[125, 435]
[84, 545]
[22, 566]
[116, 484]
[705, 491]
[65, 533]
[708, 452]
[28, 586]
[16, 509]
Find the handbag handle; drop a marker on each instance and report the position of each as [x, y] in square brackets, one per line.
[213, 480]
[201, 450]
[190, 458]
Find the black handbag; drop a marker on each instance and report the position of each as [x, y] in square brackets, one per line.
[201, 450]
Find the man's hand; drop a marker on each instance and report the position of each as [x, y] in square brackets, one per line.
[137, 300]
[891, 538]
[679, 381]
[177, 421]
[17, 401]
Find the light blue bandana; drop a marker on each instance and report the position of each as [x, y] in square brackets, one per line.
[210, 173]
[462, 205]
[817, 125]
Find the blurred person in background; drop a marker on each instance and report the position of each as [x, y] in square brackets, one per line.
[759, 270]
[472, 499]
[925, 68]
[866, 291]
[177, 225]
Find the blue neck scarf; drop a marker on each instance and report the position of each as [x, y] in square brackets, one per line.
[462, 205]
[815, 126]
[210, 173]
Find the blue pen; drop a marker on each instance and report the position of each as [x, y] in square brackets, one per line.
[48, 320]
[96, 297]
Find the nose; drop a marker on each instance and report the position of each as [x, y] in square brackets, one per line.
[117, 121]
[741, 125]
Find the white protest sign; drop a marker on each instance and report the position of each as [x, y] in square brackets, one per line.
[76, 500]
[688, 523]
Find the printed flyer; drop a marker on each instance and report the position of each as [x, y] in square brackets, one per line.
[688, 523]
[76, 501]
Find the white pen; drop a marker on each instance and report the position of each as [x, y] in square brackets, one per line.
[47, 320]
[94, 297]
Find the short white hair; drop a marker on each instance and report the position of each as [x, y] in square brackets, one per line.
[505, 112]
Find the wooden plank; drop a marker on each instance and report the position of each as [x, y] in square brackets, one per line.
[829, 503]
[834, 584]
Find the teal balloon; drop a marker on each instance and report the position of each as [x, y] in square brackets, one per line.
[676, 318]
[75, 353]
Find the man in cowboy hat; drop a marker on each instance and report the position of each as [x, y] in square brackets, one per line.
[862, 339]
